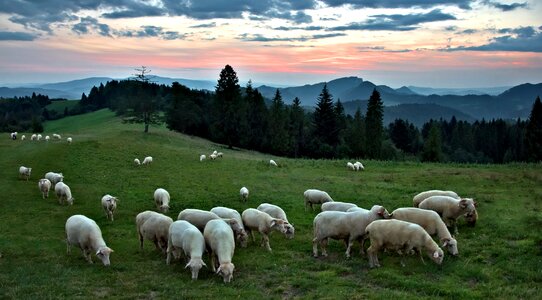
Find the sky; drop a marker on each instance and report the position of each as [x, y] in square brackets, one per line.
[440, 43]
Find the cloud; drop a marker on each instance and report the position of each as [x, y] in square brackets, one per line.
[380, 49]
[506, 7]
[16, 36]
[396, 22]
[308, 28]
[152, 31]
[205, 25]
[467, 31]
[261, 38]
[88, 24]
[464, 4]
[522, 39]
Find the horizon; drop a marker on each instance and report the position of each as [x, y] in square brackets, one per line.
[438, 44]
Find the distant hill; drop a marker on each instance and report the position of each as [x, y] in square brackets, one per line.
[21, 92]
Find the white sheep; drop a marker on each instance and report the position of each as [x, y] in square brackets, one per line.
[57, 136]
[263, 223]
[215, 152]
[400, 235]
[349, 226]
[54, 178]
[213, 156]
[350, 166]
[39, 137]
[220, 154]
[278, 213]
[109, 204]
[140, 219]
[33, 137]
[202, 157]
[200, 218]
[25, 172]
[358, 166]
[471, 218]
[147, 160]
[337, 206]
[243, 192]
[424, 195]
[449, 208]
[156, 229]
[161, 198]
[313, 196]
[229, 213]
[219, 239]
[13, 135]
[85, 234]
[69, 140]
[356, 208]
[63, 193]
[137, 162]
[23, 137]
[47, 138]
[431, 222]
[44, 185]
[272, 163]
[185, 238]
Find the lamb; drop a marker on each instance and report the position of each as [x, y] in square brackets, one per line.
[228, 213]
[358, 166]
[69, 140]
[400, 235]
[137, 162]
[350, 166]
[313, 196]
[140, 219]
[243, 192]
[431, 222]
[33, 137]
[63, 192]
[355, 208]
[54, 178]
[44, 185]
[263, 223]
[200, 218]
[186, 238]
[25, 172]
[85, 233]
[109, 204]
[449, 208]
[278, 213]
[337, 206]
[202, 157]
[424, 195]
[156, 229]
[340, 225]
[272, 163]
[161, 198]
[147, 160]
[47, 138]
[219, 239]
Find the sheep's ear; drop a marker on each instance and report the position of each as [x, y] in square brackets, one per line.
[219, 270]
[203, 263]
[446, 241]
[187, 265]
[475, 203]
[463, 203]
[273, 223]
[435, 255]
[98, 252]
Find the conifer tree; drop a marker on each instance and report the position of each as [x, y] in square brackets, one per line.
[257, 115]
[226, 109]
[432, 148]
[355, 136]
[278, 122]
[374, 125]
[297, 127]
[533, 133]
[324, 137]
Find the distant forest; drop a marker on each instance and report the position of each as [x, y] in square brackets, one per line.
[241, 117]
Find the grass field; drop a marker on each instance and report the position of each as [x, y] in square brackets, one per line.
[499, 258]
[60, 105]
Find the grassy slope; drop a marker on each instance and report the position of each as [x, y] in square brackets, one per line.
[500, 258]
[60, 105]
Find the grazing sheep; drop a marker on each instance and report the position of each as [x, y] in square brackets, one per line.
[202, 157]
[13, 135]
[44, 185]
[431, 222]
[200, 218]
[337, 206]
[350, 166]
[47, 138]
[156, 229]
[69, 140]
[340, 225]
[23, 137]
[63, 192]
[147, 160]
[313, 196]
[185, 238]
[39, 137]
[109, 204]
[25, 172]
[137, 162]
[54, 178]
[355, 208]
[215, 152]
[400, 235]
[140, 219]
[243, 192]
[358, 166]
[33, 137]
[471, 218]
[219, 239]
[85, 234]
[449, 208]
[272, 163]
[57, 136]
[213, 156]
[161, 198]
[278, 213]
[424, 195]
[220, 154]
[228, 213]
[263, 223]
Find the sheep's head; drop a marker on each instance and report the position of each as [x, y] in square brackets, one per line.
[467, 204]
[381, 212]
[451, 245]
[471, 218]
[290, 230]
[437, 256]
[70, 200]
[242, 238]
[226, 271]
[164, 208]
[103, 255]
[278, 225]
[195, 265]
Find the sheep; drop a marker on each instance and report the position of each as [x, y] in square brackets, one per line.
[337, 206]
[220, 154]
[39, 137]
[54, 178]
[47, 138]
[44, 185]
[85, 233]
[213, 156]
[358, 166]
[278, 213]
[23, 137]
[200, 218]
[57, 136]
[272, 163]
[449, 208]
[219, 240]
[243, 192]
[69, 140]
[156, 229]
[215, 152]
[400, 235]
[25, 172]
[431, 222]
[313, 196]
[424, 195]
[63, 192]
[161, 198]
[471, 218]
[340, 225]
[202, 157]
[228, 213]
[137, 162]
[186, 238]
[140, 219]
[350, 166]
[33, 137]
[13, 135]
[147, 160]
[355, 208]
[263, 223]
[109, 204]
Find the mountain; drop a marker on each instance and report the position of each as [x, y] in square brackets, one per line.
[494, 91]
[76, 88]
[21, 92]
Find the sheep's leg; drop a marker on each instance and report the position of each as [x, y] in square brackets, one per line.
[265, 239]
[362, 245]
[373, 258]
[68, 247]
[323, 246]
[213, 261]
[140, 241]
[315, 247]
[349, 248]
[421, 256]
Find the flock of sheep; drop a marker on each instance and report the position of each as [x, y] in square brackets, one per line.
[406, 230]
[39, 137]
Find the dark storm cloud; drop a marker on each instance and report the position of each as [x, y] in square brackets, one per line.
[522, 39]
[464, 4]
[16, 36]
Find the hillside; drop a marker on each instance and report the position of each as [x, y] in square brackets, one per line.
[499, 258]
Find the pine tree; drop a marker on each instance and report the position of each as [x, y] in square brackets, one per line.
[324, 137]
[355, 136]
[278, 130]
[226, 109]
[533, 133]
[374, 125]
[257, 115]
[432, 148]
[297, 127]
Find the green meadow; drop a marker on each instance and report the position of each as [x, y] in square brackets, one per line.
[499, 258]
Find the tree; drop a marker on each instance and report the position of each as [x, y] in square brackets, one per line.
[432, 148]
[143, 108]
[278, 126]
[374, 125]
[184, 114]
[355, 136]
[257, 116]
[297, 127]
[228, 112]
[533, 132]
[325, 135]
